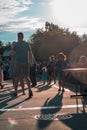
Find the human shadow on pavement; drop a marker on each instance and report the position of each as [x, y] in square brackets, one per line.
[48, 111]
[6, 98]
[43, 88]
[84, 103]
[76, 122]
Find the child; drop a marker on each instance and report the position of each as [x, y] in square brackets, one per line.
[33, 75]
[1, 75]
[60, 65]
[82, 63]
[44, 75]
[51, 69]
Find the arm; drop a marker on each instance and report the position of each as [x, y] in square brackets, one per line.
[12, 52]
[31, 58]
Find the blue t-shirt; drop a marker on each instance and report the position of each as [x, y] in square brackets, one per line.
[60, 65]
[22, 52]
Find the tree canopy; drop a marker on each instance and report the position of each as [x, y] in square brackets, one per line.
[53, 40]
[50, 40]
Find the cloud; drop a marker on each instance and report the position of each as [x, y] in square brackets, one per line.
[20, 15]
[22, 24]
[11, 8]
[12, 18]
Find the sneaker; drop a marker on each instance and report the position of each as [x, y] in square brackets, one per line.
[1, 86]
[59, 89]
[15, 94]
[24, 93]
[63, 90]
[30, 93]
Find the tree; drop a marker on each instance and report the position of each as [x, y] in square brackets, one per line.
[53, 40]
[1, 44]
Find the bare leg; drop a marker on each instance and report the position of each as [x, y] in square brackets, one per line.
[1, 85]
[63, 86]
[59, 86]
[22, 84]
[29, 87]
[16, 85]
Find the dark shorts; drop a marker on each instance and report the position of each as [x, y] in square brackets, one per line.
[60, 76]
[21, 70]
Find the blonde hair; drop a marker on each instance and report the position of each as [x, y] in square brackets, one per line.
[44, 69]
[83, 57]
[61, 54]
[52, 58]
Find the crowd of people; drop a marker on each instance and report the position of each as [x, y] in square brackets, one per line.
[22, 66]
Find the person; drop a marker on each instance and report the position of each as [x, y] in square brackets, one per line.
[23, 60]
[12, 69]
[51, 69]
[33, 75]
[12, 64]
[44, 75]
[82, 62]
[60, 65]
[1, 74]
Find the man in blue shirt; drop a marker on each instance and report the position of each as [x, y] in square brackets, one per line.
[23, 60]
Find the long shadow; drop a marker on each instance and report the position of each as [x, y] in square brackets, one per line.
[43, 88]
[84, 102]
[77, 122]
[6, 99]
[56, 101]
[4, 104]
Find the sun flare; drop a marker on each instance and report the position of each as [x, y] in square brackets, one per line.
[69, 12]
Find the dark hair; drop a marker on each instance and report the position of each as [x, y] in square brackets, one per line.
[61, 54]
[20, 34]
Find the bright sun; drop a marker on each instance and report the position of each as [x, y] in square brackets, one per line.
[69, 12]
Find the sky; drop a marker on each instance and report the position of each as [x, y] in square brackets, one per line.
[28, 15]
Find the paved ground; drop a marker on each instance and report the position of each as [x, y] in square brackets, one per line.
[48, 109]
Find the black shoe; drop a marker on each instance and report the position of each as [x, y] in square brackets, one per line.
[24, 93]
[1, 86]
[33, 85]
[59, 89]
[15, 94]
[30, 93]
[63, 90]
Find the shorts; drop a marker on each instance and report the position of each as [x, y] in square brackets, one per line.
[60, 76]
[21, 70]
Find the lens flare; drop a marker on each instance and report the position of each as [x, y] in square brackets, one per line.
[78, 59]
[20, 106]
[12, 122]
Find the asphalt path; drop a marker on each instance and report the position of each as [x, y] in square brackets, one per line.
[48, 109]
